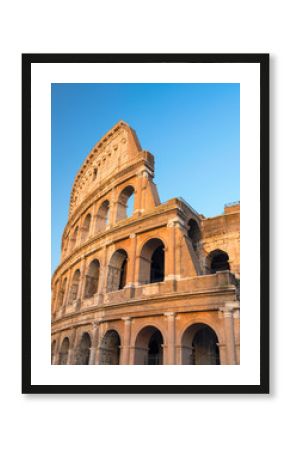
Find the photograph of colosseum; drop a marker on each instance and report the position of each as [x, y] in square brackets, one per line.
[143, 281]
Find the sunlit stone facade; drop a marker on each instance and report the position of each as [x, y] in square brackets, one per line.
[158, 286]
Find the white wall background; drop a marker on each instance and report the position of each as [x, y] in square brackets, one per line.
[44, 421]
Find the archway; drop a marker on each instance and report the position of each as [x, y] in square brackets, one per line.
[117, 271]
[102, 218]
[218, 260]
[63, 354]
[92, 279]
[152, 262]
[125, 203]
[199, 346]
[110, 349]
[74, 286]
[149, 347]
[83, 350]
[86, 227]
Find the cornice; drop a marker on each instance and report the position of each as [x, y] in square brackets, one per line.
[117, 308]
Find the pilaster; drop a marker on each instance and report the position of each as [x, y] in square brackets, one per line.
[95, 339]
[229, 333]
[126, 342]
[170, 337]
[132, 261]
[71, 351]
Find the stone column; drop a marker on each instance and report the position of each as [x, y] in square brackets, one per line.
[229, 334]
[71, 351]
[93, 221]
[82, 284]
[127, 339]
[138, 194]
[170, 337]
[103, 272]
[144, 179]
[132, 260]
[170, 261]
[101, 334]
[95, 339]
[113, 209]
[68, 287]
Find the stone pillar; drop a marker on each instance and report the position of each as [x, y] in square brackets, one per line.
[138, 194]
[170, 337]
[93, 221]
[229, 334]
[68, 287]
[95, 339]
[103, 272]
[127, 339]
[144, 183]
[132, 260]
[101, 334]
[113, 209]
[82, 284]
[170, 260]
[71, 351]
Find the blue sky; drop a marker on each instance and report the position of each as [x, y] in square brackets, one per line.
[193, 130]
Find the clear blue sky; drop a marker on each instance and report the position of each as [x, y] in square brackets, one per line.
[193, 130]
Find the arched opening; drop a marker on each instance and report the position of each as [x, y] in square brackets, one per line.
[218, 260]
[83, 350]
[194, 233]
[63, 354]
[74, 238]
[117, 271]
[125, 203]
[61, 293]
[73, 295]
[152, 262]
[149, 347]
[92, 279]
[200, 346]
[53, 348]
[86, 227]
[102, 218]
[110, 349]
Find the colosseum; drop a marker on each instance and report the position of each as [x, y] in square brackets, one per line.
[157, 286]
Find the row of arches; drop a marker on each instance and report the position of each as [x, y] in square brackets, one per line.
[151, 270]
[125, 208]
[199, 346]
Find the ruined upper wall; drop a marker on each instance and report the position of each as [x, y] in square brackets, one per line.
[223, 233]
[118, 148]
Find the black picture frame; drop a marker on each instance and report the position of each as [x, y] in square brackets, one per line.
[27, 61]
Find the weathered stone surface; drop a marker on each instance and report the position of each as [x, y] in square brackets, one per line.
[159, 287]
